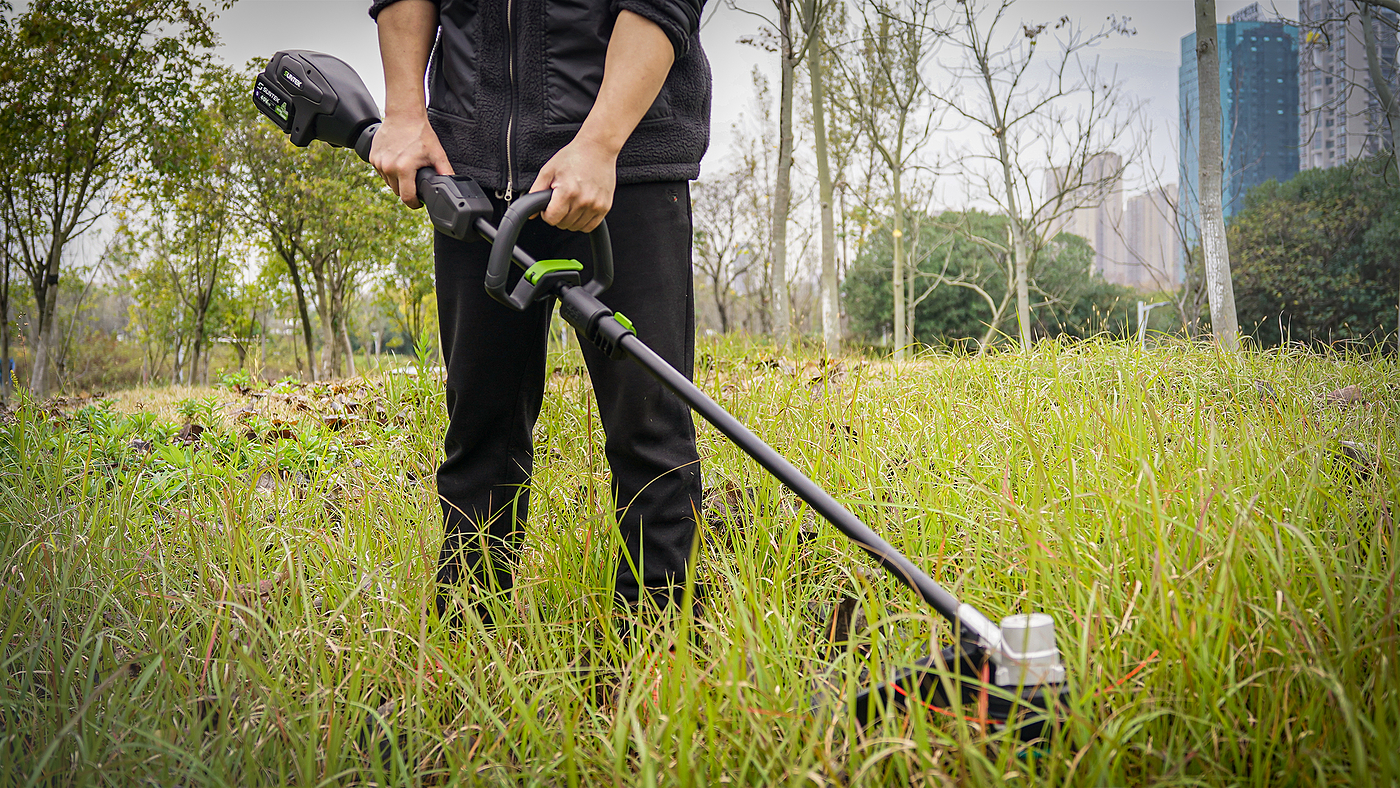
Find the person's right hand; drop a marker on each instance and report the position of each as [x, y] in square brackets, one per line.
[402, 146]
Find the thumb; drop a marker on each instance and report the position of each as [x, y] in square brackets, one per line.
[438, 157]
[545, 180]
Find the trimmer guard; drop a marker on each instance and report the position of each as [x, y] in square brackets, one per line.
[965, 673]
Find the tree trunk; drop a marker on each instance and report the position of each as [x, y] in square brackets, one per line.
[349, 351]
[994, 324]
[178, 361]
[1220, 291]
[1020, 251]
[897, 278]
[325, 313]
[911, 302]
[296, 355]
[1021, 257]
[830, 295]
[6, 375]
[911, 278]
[782, 191]
[1373, 64]
[197, 346]
[720, 310]
[40, 375]
[290, 259]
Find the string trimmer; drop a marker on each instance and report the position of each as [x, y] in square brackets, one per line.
[1010, 674]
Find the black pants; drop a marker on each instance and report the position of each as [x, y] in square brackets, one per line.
[495, 385]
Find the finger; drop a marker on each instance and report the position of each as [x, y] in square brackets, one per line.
[545, 180]
[582, 219]
[408, 191]
[438, 157]
[559, 209]
[575, 218]
[592, 211]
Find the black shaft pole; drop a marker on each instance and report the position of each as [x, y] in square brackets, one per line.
[971, 622]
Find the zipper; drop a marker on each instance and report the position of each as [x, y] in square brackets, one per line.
[510, 117]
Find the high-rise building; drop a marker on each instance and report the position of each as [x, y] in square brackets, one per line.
[1100, 212]
[1151, 241]
[1339, 115]
[1134, 243]
[1259, 110]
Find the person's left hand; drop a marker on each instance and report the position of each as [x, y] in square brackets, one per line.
[583, 175]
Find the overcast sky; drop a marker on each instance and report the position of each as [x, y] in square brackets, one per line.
[1146, 62]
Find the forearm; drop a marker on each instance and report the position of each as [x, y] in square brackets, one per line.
[406, 141]
[407, 30]
[638, 60]
[583, 174]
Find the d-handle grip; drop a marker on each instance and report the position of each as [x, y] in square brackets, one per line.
[498, 266]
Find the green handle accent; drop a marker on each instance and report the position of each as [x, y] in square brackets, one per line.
[534, 273]
[627, 324]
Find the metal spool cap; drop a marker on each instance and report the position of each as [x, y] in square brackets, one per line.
[1028, 656]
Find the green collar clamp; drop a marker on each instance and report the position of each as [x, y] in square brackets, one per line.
[536, 272]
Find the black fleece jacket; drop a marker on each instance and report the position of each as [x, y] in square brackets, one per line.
[511, 81]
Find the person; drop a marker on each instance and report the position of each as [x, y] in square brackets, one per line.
[607, 103]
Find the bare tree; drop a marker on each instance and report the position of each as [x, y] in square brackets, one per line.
[1338, 24]
[754, 280]
[1044, 144]
[814, 15]
[1383, 91]
[6, 377]
[1380, 84]
[1224, 322]
[1332, 34]
[1186, 292]
[722, 240]
[783, 36]
[926, 283]
[883, 89]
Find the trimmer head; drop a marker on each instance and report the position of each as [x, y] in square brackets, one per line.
[1020, 684]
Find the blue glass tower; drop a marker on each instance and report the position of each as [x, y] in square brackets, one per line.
[1259, 112]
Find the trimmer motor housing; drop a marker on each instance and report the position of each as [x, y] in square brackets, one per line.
[314, 96]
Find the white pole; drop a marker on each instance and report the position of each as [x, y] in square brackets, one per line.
[1144, 310]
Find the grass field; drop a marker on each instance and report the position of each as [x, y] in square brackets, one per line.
[235, 607]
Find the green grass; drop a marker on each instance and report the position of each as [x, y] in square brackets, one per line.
[1223, 582]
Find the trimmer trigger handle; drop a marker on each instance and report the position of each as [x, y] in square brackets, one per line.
[454, 203]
